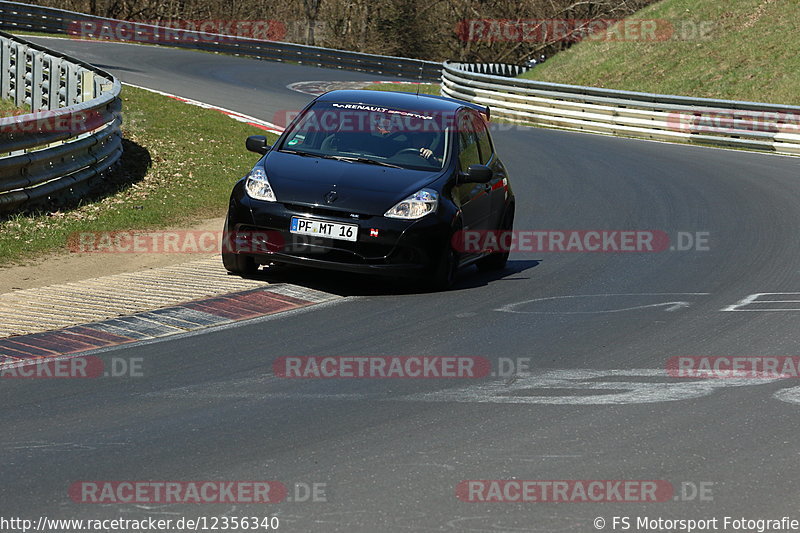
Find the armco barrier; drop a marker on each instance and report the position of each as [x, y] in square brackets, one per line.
[42, 162]
[72, 132]
[748, 125]
[15, 16]
[495, 69]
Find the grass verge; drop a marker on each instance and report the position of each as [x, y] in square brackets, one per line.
[750, 53]
[179, 165]
[7, 108]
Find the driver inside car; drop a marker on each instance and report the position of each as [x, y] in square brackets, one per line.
[386, 137]
[405, 139]
[424, 142]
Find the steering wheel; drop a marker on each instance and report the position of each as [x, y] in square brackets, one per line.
[414, 151]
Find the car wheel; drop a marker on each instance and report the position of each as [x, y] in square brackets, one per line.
[242, 265]
[445, 272]
[498, 260]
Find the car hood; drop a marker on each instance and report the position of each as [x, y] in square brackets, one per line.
[360, 188]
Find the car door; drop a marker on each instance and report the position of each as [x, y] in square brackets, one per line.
[473, 198]
[497, 187]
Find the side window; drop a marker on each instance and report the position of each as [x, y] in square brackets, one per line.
[484, 142]
[467, 143]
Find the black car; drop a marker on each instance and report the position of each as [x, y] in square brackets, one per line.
[372, 182]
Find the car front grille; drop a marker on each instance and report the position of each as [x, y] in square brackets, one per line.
[344, 216]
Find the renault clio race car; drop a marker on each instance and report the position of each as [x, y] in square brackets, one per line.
[372, 182]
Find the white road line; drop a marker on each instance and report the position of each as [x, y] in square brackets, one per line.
[671, 305]
[240, 117]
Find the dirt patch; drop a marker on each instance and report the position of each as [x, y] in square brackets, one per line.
[66, 267]
[756, 15]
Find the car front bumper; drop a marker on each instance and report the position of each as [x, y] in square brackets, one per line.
[384, 246]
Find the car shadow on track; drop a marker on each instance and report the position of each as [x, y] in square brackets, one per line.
[347, 284]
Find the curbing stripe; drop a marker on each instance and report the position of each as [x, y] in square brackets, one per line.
[28, 350]
[57, 343]
[169, 321]
[256, 298]
[189, 316]
[7, 351]
[43, 309]
[101, 336]
[300, 293]
[146, 327]
[42, 340]
[121, 330]
[159, 323]
[77, 340]
[226, 309]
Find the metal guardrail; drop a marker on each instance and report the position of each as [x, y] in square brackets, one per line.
[748, 125]
[71, 133]
[15, 16]
[495, 69]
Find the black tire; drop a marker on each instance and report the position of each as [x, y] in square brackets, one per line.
[241, 265]
[444, 273]
[498, 260]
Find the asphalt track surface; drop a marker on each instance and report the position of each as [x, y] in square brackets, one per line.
[209, 408]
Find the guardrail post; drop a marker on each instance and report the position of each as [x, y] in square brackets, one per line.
[37, 80]
[20, 67]
[53, 83]
[71, 85]
[5, 69]
[87, 85]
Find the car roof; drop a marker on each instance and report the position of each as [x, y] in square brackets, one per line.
[399, 100]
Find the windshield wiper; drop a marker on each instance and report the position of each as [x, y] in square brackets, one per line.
[364, 160]
[349, 159]
[298, 152]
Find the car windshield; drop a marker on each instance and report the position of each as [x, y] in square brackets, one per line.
[370, 134]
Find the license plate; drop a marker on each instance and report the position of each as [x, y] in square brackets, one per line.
[319, 228]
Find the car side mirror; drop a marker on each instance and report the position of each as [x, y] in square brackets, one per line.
[479, 174]
[257, 144]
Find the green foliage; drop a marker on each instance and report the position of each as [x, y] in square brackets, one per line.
[179, 165]
[750, 53]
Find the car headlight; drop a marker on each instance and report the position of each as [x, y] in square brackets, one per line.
[258, 187]
[415, 206]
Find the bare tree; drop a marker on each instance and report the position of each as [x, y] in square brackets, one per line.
[429, 29]
[311, 8]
